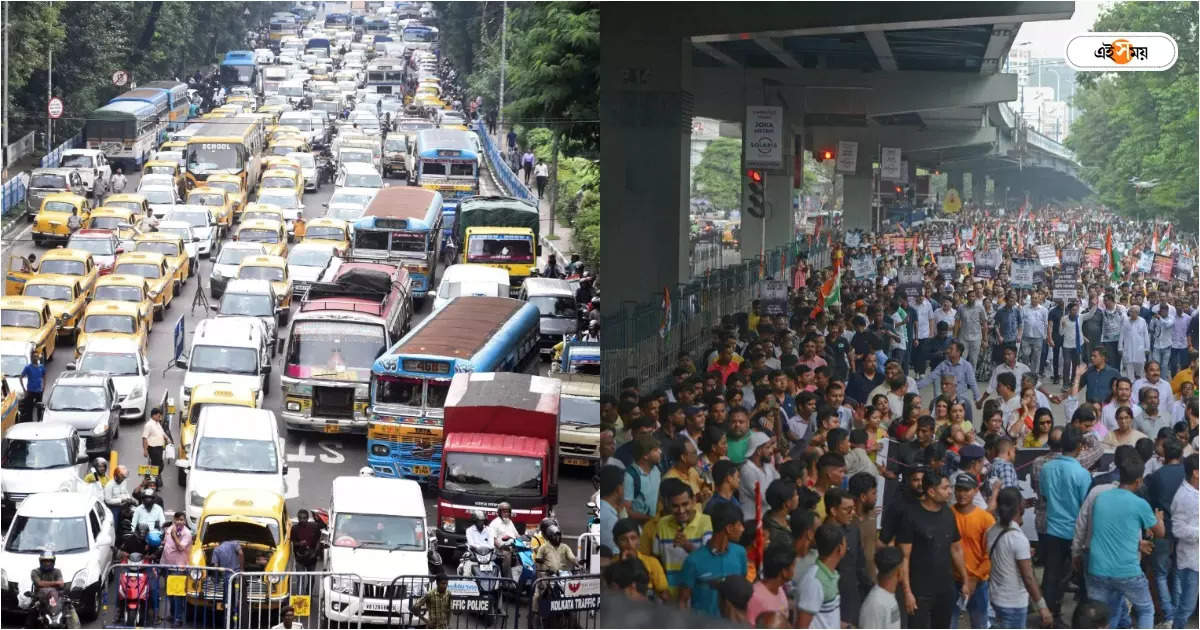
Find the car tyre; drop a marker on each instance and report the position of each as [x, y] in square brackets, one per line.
[89, 608]
[158, 314]
[181, 478]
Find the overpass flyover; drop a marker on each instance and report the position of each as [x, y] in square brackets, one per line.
[922, 76]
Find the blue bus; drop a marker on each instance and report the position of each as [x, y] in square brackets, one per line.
[319, 46]
[337, 21]
[178, 103]
[409, 382]
[239, 68]
[448, 163]
[420, 37]
[403, 226]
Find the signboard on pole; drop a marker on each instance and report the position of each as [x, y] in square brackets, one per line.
[1091, 257]
[1183, 267]
[1046, 255]
[1021, 274]
[178, 339]
[764, 137]
[1145, 262]
[987, 262]
[847, 156]
[1066, 282]
[55, 107]
[120, 78]
[889, 163]
[911, 282]
[904, 171]
[775, 297]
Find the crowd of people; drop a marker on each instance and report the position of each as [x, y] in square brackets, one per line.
[928, 444]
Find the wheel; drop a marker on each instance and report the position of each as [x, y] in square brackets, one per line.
[89, 608]
[176, 288]
[158, 315]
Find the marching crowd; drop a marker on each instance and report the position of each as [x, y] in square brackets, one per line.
[795, 475]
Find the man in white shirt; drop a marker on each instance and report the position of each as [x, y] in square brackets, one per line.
[479, 534]
[945, 314]
[503, 527]
[1134, 344]
[1154, 379]
[1185, 508]
[925, 330]
[1009, 366]
[1122, 398]
[1161, 329]
[756, 469]
[1033, 329]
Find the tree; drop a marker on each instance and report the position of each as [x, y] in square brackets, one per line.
[1142, 125]
[718, 175]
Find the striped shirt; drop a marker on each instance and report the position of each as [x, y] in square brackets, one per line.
[672, 556]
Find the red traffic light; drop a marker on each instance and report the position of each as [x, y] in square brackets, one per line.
[827, 154]
[898, 189]
[754, 175]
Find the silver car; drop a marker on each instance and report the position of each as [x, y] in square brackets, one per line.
[89, 402]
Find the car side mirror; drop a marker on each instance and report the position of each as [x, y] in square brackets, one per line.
[81, 458]
[72, 366]
[213, 307]
[116, 406]
[181, 362]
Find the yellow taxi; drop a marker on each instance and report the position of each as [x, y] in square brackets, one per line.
[258, 210]
[270, 268]
[227, 110]
[104, 319]
[72, 262]
[259, 520]
[283, 145]
[133, 202]
[153, 268]
[216, 198]
[279, 131]
[19, 271]
[244, 100]
[280, 178]
[274, 111]
[279, 162]
[28, 319]
[9, 403]
[329, 231]
[172, 248]
[112, 218]
[232, 185]
[270, 234]
[206, 395]
[166, 167]
[52, 220]
[64, 295]
[117, 287]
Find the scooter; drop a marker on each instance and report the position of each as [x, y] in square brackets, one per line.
[480, 562]
[52, 609]
[133, 593]
[524, 573]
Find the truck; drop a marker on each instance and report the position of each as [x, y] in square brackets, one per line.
[501, 444]
[485, 225]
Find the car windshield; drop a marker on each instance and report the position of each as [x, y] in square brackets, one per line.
[550, 306]
[276, 182]
[118, 293]
[160, 170]
[345, 213]
[505, 475]
[230, 187]
[132, 206]
[378, 530]
[395, 144]
[303, 122]
[184, 233]
[114, 363]
[166, 248]
[97, 246]
[35, 454]
[206, 199]
[77, 398]
[157, 195]
[76, 161]
[43, 180]
[283, 200]
[250, 304]
[364, 180]
[65, 267]
[20, 319]
[224, 360]
[192, 218]
[579, 410]
[310, 257]
[99, 223]
[236, 455]
[13, 364]
[487, 249]
[350, 199]
[145, 270]
[355, 157]
[336, 346]
[58, 206]
[35, 535]
[235, 255]
[306, 160]
[258, 236]
[447, 290]
[325, 232]
[49, 291]
[262, 214]
[109, 323]
[258, 272]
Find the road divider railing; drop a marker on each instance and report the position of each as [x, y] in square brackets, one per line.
[571, 601]
[54, 157]
[587, 550]
[475, 602]
[644, 340]
[13, 195]
[257, 599]
[164, 596]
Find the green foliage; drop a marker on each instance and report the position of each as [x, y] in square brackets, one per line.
[1143, 124]
[718, 175]
[587, 229]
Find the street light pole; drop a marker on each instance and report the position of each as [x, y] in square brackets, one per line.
[503, 58]
[49, 95]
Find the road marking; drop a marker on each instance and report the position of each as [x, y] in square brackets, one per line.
[302, 456]
[293, 483]
[332, 454]
[22, 234]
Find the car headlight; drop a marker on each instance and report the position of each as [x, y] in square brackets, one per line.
[195, 574]
[196, 499]
[80, 581]
[293, 406]
[274, 579]
[101, 427]
[380, 450]
[448, 523]
[137, 392]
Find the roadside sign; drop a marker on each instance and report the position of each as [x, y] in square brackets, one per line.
[178, 339]
[55, 107]
[120, 78]
[147, 469]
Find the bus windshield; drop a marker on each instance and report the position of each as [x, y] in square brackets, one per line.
[400, 241]
[496, 249]
[210, 157]
[331, 347]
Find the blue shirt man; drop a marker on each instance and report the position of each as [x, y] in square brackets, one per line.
[228, 555]
[705, 568]
[1008, 321]
[33, 376]
[1064, 483]
[1098, 378]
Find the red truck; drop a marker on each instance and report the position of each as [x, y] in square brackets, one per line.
[501, 444]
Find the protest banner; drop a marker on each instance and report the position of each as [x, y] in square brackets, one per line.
[911, 282]
[987, 263]
[1020, 275]
[1046, 255]
[1163, 268]
[774, 297]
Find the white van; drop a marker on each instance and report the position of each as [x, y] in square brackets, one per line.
[233, 350]
[375, 540]
[234, 447]
[469, 279]
[555, 300]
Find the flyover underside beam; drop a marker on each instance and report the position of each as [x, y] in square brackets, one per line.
[842, 92]
[907, 138]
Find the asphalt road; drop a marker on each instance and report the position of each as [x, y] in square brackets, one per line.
[314, 459]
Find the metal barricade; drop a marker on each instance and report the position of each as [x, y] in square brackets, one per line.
[474, 602]
[256, 599]
[13, 194]
[565, 602]
[587, 551]
[162, 596]
[53, 158]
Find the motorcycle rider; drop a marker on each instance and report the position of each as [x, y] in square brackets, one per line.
[306, 538]
[149, 513]
[46, 580]
[554, 556]
[478, 534]
[116, 493]
[98, 472]
[504, 530]
[592, 334]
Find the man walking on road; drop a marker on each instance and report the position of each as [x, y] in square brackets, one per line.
[117, 184]
[33, 379]
[527, 164]
[541, 173]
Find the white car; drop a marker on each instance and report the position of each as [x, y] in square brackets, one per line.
[200, 219]
[308, 168]
[14, 356]
[357, 174]
[80, 530]
[234, 350]
[161, 198]
[349, 204]
[305, 264]
[234, 447]
[287, 200]
[129, 367]
[40, 457]
[225, 267]
[93, 168]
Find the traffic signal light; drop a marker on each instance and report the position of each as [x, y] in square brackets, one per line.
[898, 190]
[824, 154]
[756, 182]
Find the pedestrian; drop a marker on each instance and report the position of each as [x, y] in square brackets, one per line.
[306, 541]
[33, 378]
[542, 173]
[973, 524]
[880, 608]
[177, 547]
[491, 123]
[720, 557]
[929, 538]
[434, 605]
[287, 619]
[512, 142]
[155, 440]
[117, 184]
[1185, 512]
[527, 160]
[1011, 582]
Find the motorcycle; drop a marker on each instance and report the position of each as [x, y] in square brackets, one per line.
[480, 562]
[52, 609]
[133, 594]
[523, 571]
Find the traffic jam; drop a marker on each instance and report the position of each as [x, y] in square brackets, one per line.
[277, 352]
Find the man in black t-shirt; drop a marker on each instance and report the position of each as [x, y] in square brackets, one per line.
[929, 538]
[838, 351]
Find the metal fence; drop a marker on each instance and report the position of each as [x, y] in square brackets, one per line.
[19, 149]
[319, 599]
[53, 158]
[474, 602]
[643, 341]
[13, 195]
[499, 166]
[565, 602]
[153, 595]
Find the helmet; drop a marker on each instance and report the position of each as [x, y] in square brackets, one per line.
[47, 556]
[366, 471]
[504, 505]
[553, 530]
[100, 463]
[477, 516]
[154, 539]
[135, 558]
[546, 524]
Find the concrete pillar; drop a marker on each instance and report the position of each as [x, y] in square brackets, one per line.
[857, 192]
[780, 225]
[646, 142]
[954, 179]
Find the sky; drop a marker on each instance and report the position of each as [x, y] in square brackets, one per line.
[1049, 39]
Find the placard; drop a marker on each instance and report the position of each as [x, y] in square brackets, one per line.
[889, 163]
[966, 257]
[1092, 257]
[774, 297]
[1065, 285]
[1072, 257]
[1020, 275]
[764, 136]
[1183, 267]
[911, 282]
[847, 156]
[987, 263]
[947, 264]
[1145, 262]
[1046, 255]
[852, 239]
[863, 266]
[1163, 268]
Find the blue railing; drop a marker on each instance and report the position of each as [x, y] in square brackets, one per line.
[53, 158]
[499, 166]
[13, 195]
